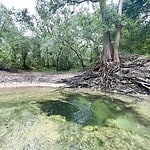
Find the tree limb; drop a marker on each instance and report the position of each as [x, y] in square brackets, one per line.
[64, 2]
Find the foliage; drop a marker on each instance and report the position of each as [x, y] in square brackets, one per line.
[136, 33]
[66, 34]
[136, 8]
[136, 37]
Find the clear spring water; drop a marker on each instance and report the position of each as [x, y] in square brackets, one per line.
[43, 119]
[94, 110]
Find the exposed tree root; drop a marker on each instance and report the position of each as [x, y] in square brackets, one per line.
[131, 76]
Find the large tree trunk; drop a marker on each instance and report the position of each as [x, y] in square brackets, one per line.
[118, 34]
[109, 54]
[107, 47]
[116, 44]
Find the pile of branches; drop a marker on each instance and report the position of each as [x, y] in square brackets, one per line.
[132, 76]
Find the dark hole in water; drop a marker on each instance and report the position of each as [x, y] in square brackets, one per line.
[85, 110]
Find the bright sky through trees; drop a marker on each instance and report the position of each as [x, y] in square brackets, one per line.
[20, 4]
[30, 4]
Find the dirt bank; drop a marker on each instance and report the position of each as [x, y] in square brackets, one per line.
[24, 79]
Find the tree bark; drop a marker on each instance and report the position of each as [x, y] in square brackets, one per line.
[116, 44]
[118, 34]
[107, 47]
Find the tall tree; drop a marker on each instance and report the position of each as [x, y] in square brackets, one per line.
[107, 45]
[118, 34]
[109, 54]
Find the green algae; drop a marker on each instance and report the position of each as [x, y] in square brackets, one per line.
[24, 124]
[94, 110]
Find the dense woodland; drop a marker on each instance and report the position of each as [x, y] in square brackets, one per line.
[72, 34]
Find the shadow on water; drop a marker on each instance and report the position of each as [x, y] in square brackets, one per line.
[94, 110]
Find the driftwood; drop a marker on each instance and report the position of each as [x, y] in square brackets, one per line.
[132, 76]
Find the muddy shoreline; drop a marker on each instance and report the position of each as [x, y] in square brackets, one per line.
[38, 79]
[28, 79]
